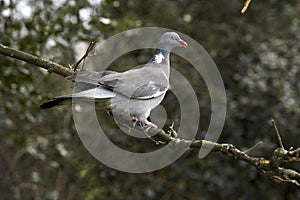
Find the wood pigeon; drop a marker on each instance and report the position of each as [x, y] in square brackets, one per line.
[135, 92]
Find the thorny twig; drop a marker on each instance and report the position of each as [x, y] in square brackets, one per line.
[272, 166]
[253, 147]
[277, 133]
[90, 48]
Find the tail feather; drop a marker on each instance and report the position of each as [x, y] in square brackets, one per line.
[55, 102]
[92, 94]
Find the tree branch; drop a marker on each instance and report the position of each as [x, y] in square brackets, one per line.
[274, 166]
[39, 62]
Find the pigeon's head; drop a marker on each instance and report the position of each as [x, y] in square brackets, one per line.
[170, 40]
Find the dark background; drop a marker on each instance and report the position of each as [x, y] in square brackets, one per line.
[41, 155]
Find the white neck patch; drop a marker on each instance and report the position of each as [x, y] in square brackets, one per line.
[159, 58]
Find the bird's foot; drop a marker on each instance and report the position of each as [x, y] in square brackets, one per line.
[136, 121]
[150, 125]
[147, 126]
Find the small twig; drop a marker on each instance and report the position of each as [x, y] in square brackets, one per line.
[277, 134]
[172, 132]
[245, 7]
[90, 48]
[283, 180]
[253, 147]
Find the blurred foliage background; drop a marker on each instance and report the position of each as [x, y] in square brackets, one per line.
[258, 55]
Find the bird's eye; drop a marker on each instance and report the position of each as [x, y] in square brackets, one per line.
[172, 37]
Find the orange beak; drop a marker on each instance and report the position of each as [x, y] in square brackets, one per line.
[182, 43]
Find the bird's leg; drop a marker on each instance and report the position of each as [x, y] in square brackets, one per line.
[147, 125]
[150, 125]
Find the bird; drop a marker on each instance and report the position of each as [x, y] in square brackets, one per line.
[136, 91]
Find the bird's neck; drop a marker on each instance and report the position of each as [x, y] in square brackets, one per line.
[161, 60]
[161, 56]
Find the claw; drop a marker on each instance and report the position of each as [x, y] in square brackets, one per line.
[135, 121]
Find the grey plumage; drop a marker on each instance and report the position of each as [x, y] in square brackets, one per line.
[135, 91]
